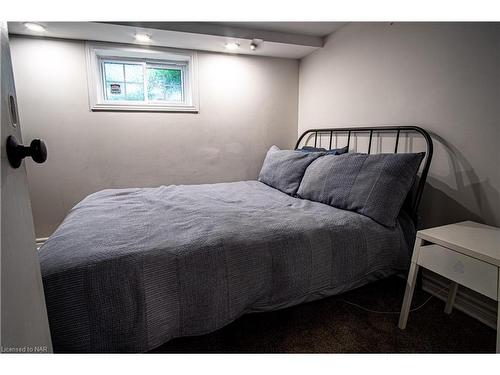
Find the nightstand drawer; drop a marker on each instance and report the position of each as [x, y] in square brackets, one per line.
[472, 273]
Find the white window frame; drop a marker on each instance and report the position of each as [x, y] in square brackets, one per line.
[186, 61]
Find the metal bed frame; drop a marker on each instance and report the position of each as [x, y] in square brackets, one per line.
[415, 200]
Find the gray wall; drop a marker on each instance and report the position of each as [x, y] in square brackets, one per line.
[246, 104]
[444, 77]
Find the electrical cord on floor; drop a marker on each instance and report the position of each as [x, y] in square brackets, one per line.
[394, 312]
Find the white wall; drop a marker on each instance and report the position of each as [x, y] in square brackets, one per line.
[246, 104]
[444, 77]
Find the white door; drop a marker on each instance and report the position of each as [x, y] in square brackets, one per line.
[23, 315]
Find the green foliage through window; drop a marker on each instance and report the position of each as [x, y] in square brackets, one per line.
[125, 82]
[164, 84]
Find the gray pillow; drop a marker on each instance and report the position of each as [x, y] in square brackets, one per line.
[284, 169]
[372, 185]
[333, 151]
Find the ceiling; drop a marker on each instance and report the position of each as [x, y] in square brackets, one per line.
[277, 39]
[320, 29]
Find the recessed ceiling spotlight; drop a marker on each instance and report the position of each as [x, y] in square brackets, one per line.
[232, 46]
[34, 27]
[141, 37]
[255, 43]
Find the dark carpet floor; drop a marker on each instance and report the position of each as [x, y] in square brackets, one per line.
[331, 325]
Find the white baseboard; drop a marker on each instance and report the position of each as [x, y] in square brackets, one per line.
[469, 302]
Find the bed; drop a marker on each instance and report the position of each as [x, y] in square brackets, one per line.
[130, 269]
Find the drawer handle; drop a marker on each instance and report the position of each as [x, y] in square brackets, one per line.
[458, 267]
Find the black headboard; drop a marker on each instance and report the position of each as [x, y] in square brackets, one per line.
[333, 133]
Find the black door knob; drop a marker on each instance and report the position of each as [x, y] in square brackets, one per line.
[16, 152]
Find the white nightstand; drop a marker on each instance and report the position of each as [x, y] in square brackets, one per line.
[467, 253]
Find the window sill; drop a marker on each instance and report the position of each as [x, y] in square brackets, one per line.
[143, 108]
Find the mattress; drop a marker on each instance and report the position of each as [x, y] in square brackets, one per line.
[129, 269]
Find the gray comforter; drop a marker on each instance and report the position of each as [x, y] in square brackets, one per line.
[129, 269]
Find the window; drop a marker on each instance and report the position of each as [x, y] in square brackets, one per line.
[127, 78]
